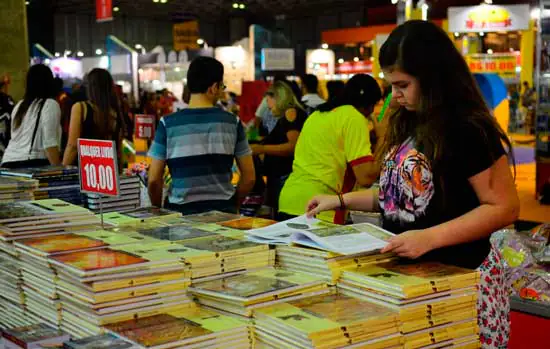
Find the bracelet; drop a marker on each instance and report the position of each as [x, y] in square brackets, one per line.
[342, 203]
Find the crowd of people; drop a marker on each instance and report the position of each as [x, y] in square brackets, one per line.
[435, 165]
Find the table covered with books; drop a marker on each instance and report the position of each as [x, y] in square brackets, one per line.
[151, 278]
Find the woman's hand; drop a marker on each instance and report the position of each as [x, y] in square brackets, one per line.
[322, 203]
[411, 244]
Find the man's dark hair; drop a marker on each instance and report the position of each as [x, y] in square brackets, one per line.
[203, 73]
[311, 83]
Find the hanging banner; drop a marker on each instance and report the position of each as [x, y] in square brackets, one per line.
[103, 10]
[502, 64]
[487, 18]
[360, 67]
[186, 35]
[277, 59]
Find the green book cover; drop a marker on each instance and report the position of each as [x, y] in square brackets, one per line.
[163, 251]
[175, 233]
[116, 218]
[56, 206]
[221, 243]
[210, 320]
[298, 319]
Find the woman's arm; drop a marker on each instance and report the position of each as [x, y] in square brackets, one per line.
[53, 155]
[499, 207]
[69, 158]
[365, 200]
[285, 149]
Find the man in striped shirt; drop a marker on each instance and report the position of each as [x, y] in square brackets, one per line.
[199, 144]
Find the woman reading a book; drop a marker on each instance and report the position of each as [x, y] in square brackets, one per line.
[445, 182]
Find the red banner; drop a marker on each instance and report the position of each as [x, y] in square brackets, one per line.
[97, 161]
[103, 10]
[144, 126]
[359, 67]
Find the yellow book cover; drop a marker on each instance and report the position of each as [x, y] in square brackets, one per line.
[175, 233]
[248, 223]
[224, 246]
[210, 217]
[411, 280]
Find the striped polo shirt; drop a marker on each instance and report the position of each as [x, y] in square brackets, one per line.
[199, 147]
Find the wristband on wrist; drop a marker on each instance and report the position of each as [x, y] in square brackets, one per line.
[342, 203]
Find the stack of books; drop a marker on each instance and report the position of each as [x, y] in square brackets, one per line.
[39, 278]
[117, 283]
[242, 294]
[193, 327]
[328, 321]
[13, 189]
[129, 198]
[327, 264]
[139, 215]
[210, 217]
[55, 182]
[436, 303]
[34, 336]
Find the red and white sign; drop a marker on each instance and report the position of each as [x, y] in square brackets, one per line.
[144, 126]
[103, 10]
[486, 18]
[360, 67]
[98, 167]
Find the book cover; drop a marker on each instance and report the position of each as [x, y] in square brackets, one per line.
[27, 335]
[61, 243]
[158, 330]
[221, 243]
[211, 217]
[150, 212]
[175, 233]
[105, 258]
[248, 223]
[103, 341]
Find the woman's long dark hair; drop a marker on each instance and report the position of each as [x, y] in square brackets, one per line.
[39, 85]
[449, 98]
[361, 91]
[100, 89]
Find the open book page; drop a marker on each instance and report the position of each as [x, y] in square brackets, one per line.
[281, 233]
[351, 239]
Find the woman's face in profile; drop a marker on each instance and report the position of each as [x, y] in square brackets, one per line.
[271, 103]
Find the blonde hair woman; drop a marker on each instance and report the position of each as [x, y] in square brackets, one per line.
[278, 146]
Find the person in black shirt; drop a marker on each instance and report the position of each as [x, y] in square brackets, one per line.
[278, 146]
[445, 182]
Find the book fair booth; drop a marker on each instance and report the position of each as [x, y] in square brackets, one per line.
[86, 262]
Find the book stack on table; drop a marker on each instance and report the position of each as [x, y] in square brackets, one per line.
[139, 215]
[13, 189]
[55, 182]
[242, 294]
[129, 198]
[327, 321]
[38, 335]
[436, 303]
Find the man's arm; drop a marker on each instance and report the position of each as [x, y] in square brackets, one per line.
[156, 182]
[248, 175]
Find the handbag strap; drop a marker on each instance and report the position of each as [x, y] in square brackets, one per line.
[37, 123]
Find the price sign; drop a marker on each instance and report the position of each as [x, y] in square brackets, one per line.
[144, 126]
[98, 167]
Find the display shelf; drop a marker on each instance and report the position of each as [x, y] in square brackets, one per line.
[530, 307]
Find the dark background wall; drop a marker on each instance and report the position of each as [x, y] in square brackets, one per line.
[62, 31]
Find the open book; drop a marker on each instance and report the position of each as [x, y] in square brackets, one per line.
[311, 232]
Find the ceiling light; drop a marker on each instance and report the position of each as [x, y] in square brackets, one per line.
[481, 34]
[163, 1]
[138, 47]
[98, 51]
[394, 1]
[425, 7]
[381, 75]
[177, 69]
[235, 5]
[341, 60]
[140, 71]
[47, 61]
[116, 9]
[155, 1]
[324, 46]
[242, 6]
[200, 41]
[57, 54]
[489, 2]
[27, 3]
[489, 51]
[457, 34]
[356, 59]
[372, 59]
[80, 54]
[67, 52]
